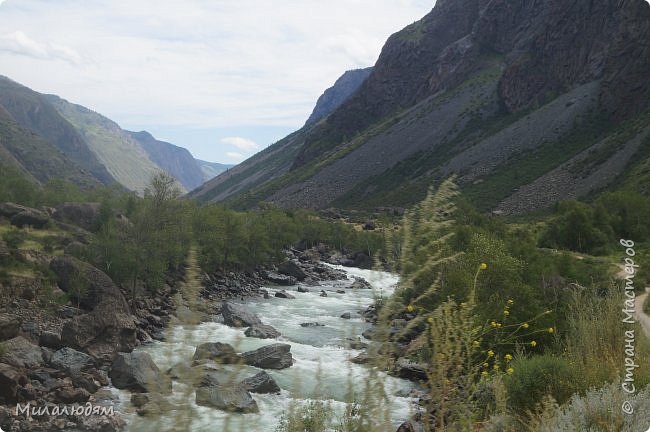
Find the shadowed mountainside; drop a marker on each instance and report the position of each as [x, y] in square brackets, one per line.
[526, 102]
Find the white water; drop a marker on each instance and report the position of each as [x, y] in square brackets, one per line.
[321, 369]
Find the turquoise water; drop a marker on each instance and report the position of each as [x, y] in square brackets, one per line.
[321, 369]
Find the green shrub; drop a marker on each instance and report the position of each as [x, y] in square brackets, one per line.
[599, 410]
[536, 377]
[14, 238]
[315, 416]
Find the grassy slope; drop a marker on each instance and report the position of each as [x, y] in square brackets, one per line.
[32, 154]
[32, 111]
[125, 160]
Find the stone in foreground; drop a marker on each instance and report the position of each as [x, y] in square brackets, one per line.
[137, 372]
[236, 315]
[218, 352]
[232, 399]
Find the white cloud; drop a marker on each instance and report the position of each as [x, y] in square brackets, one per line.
[197, 63]
[238, 157]
[241, 143]
[19, 43]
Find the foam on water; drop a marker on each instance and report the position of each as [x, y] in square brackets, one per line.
[321, 369]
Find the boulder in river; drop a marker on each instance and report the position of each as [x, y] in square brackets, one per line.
[302, 289]
[274, 356]
[323, 293]
[262, 331]
[312, 324]
[285, 295]
[290, 268]
[137, 372]
[346, 315]
[216, 351]
[261, 383]
[236, 315]
[232, 399]
[360, 283]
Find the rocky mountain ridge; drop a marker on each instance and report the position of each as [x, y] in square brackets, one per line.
[526, 103]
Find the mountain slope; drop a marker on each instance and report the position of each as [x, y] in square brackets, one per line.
[526, 102]
[29, 109]
[175, 160]
[212, 169]
[335, 96]
[36, 157]
[123, 156]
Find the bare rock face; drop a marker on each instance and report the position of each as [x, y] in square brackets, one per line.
[138, 373]
[274, 356]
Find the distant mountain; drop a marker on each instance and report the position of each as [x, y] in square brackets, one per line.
[32, 111]
[37, 158]
[212, 169]
[73, 142]
[175, 160]
[527, 103]
[341, 91]
[124, 157]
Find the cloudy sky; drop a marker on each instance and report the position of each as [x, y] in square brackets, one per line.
[223, 78]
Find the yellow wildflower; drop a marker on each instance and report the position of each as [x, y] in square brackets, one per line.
[493, 324]
[525, 325]
[551, 329]
[483, 266]
[496, 367]
[476, 344]
[533, 344]
[508, 357]
[410, 308]
[484, 373]
[506, 312]
[498, 325]
[490, 353]
[430, 320]
[485, 365]
[510, 301]
[510, 371]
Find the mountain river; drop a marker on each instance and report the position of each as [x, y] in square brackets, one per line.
[321, 369]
